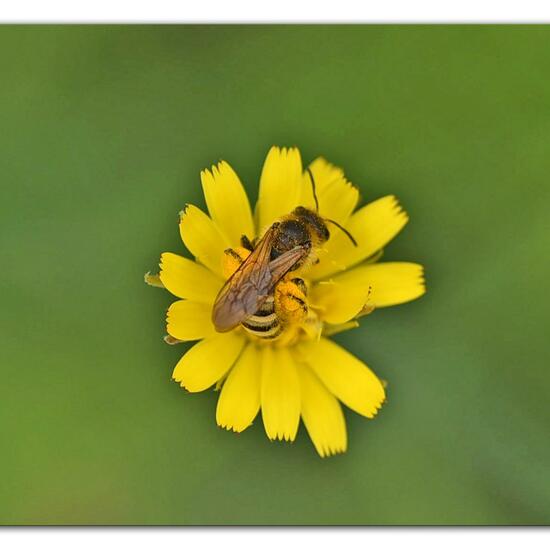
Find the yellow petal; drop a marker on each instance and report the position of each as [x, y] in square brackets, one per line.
[203, 238]
[187, 279]
[342, 297]
[373, 226]
[281, 185]
[153, 280]
[349, 379]
[331, 330]
[239, 401]
[337, 197]
[322, 415]
[392, 283]
[337, 302]
[188, 320]
[208, 360]
[280, 394]
[227, 202]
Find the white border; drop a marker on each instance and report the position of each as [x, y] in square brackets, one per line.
[281, 11]
[271, 538]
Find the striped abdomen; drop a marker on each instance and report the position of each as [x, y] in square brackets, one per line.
[264, 323]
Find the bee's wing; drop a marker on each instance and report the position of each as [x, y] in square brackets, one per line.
[280, 266]
[249, 287]
[241, 295]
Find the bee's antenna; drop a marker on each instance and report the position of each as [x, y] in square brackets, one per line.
[350, 236]
[313, 189]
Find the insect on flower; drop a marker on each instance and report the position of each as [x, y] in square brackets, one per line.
[248, 295]
[266, 292]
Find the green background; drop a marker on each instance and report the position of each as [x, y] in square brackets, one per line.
[103, 133]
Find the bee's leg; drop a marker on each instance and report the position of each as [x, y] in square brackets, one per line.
[232, 259]
[290, 301]
[246, 243]
[300, 284]
[300, 302]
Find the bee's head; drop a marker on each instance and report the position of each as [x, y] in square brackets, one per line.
[316, 226]
[315, 221]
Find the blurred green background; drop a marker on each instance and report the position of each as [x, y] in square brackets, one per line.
[104, 130]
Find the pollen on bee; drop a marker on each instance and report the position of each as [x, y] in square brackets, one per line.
[290, 303]
[232, 259]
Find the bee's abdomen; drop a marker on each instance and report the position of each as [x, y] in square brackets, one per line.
[264, 323]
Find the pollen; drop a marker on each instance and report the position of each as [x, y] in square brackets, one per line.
[290, 303]
[232, 259]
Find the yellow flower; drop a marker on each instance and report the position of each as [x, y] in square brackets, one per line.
[301, 373]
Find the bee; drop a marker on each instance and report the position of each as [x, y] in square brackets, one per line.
[250, 297]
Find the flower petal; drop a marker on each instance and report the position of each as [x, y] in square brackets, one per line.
[337, 197]
[281, 185]
[203, 238]
[189, 320]
[239, 401]
[208, 360]
[342, 297]
[337, 302]
[373, 226]
[322, 415]
[153, 280]
[187, 279]
[349, 379]
[392, 283]
[227, 202]
[331, 330]
[280, 394]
